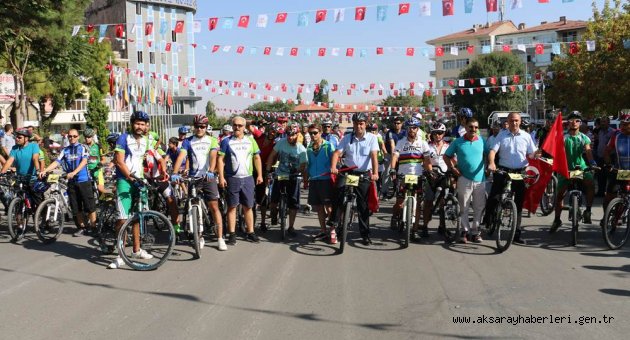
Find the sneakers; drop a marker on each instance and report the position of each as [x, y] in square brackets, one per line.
[586, 217]
[291, 232]
[463, 238]
[252, 237]
[232, 239]
[141, 254]
[80, 232]
[202, 242]
[366, 240]
[477, 238]
[415, 237]
[263, 228]
[557, 223]
[518, 239]
[117, 263]
[333, 237]
[222, 245]
[274, 220]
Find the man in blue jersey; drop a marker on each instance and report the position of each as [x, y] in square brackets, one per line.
[327, 133]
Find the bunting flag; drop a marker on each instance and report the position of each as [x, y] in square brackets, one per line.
[403, 9]
[491, 5]
[359, 13]
[120, 31]
[320, 16]
[212, 23]
[281, 18]
[340, 14]
[243, 22]
[148, 28]
[468, 6]
[179, 26]
[448, 8]
[303, 19]
[75, 30]
[381, 13]
[425, 9]
[262, 21]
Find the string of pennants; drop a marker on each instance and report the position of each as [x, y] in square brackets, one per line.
[303, 18]
[375, 112]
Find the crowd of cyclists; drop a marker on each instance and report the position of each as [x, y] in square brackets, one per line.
[237, 167]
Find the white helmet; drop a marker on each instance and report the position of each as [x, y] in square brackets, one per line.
[209, 128]
[417, 115]
[227, 127]
[438, 127]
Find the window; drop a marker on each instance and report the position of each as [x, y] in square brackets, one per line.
[569, 36]
[138, 8]
[448, 64]
[461, 63]
[449, 45]
[173, 36]
[485, 42]
[140, 57]
[462, 45]
[152, 57]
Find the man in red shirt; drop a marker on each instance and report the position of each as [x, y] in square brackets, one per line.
[266, 141]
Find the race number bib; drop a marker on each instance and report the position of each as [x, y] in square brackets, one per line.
[352, 181]
[411, 179]
[623, 175]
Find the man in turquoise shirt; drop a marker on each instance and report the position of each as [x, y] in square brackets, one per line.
[25, 155]
[471, 190]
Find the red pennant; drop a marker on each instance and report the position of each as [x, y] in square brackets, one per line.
[193, 45]
[430, 84]
[320, 15]
[240, 49]
[334, 87]
[447, 8]
[574, 48]
[543, 1]
[212, 23]
[540, 49]
[528, 87]
[150, 43]
[179, 26]
[267, 51]
[243, 22]
[294, 52]
[349, 52]
[379, 50]
[120, 31]
[554, 145]
[90, 28]
[410, 51]
[380, 92]
[439, 51]
[461, 91]
[148, 28]
[215, 48]
[427, 93]
[412, 85]
[472, 81]
[372, 86]
[359, 13]
[493, 80]
[470, 49]
[353, 86]
[167, 48]
[491, 5]
[91, 40]
[321, 52]
[349, 92]
[478, 89]
[391, 86]
[412, 93]
[516, 79]
[403, 9]
[513, 88]
[506, 48]
[451, 82]
[281, 17]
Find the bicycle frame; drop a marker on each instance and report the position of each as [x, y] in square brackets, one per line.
[413, 187]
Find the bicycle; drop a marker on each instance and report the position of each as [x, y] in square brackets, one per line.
[548, 199]
[49, 215]
[196, 215]
[6, 191]
[576, 200]
[412, 187]
[446, 203]
[107, 215]
[616, 228]
[283, 212]
[21, 208]
[348, 206]
[156, 233]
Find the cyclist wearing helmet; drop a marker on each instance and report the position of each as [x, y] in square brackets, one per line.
[226, 131]
[462, 116]
[575, 145]
[266, 142]
[96, 159]
[183, 133]
[74, 160]
[437, 149]
[382, 151]
[359, 149]
[395, 134]
[292, 159]
[618, 148]
[24, 154]
[412, 153]
[131, 148]
[327, 133]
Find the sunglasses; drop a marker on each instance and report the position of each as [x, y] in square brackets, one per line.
[313, 133]
[201, 126]
[437, 132]
[327, 126]
[398, 123]
[73, 136]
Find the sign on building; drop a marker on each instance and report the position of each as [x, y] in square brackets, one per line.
[7, 87]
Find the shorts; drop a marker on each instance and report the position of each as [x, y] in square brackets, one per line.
[563, 182]
[320, 192]
[208, 189]
[164, 188]
[240, 191]
[81, 197]
[292, 188]
[125, 191]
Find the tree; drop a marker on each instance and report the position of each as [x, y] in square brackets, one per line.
[400, 100]
[97, 114]
[211, 113]
[482, 103]
[428, 100]
[271, 107]
[595, 82]
[320, 96]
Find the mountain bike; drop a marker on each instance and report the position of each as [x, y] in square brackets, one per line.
[576, 200]
[348, 208]
[22, 207]
[196, 215]
[445, 203]
[412, 187]
[548, 199]
[157, 235]
[49, 216]
[616, 228]
[283, 210]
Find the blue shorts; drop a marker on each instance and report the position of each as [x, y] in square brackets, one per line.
[240, 191]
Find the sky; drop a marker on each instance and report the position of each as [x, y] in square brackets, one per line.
[410, 30]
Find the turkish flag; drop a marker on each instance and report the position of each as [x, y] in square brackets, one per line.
[543, 1]
[294, 52]
[410, 51]
[90, 28]
[91, 40]
[439, 51]
[212, 23]
[491, 5]
[574, 48]
[148, 28]
[215, 48]
[537, 185]
[281, 17]
[243, 21]
[120, 31]
[321, 52]
[447, 8]
[349, 52]
[554, 145]
[240, 49]
[320, 15]
[403, 9]
[506, 48]
[359, 13]
[540, 49]
[267, 51]
[379, 50]
[179, 26]
[334, 87]
[493, 80]
[168, 47]
[516, 79]
[470, 49]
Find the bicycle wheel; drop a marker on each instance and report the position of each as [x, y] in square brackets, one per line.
[346, 219]
[410, 204]
[506, 224]
[240, 220]
[48, 226]
[548, 199]
[157, 241]
[106, 227]
[282, 214]
[616, 224]
[194, 222]
[451, 218]
[575, 218]
[17, 219]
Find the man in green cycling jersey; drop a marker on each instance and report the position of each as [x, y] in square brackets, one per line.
[95, 160]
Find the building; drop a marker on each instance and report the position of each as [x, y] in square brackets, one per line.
[147, 52]
[448, 66]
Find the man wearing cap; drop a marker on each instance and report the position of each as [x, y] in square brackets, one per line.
[96, 159]
[327, 133]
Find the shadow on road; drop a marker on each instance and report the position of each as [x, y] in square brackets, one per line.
[67, 249]
[589, 238]
[617, 292]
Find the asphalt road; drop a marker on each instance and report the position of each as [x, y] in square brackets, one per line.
[305, 290]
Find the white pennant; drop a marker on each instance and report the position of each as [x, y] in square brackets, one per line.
[262, 21]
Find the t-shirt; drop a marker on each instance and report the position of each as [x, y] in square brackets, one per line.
[265, 150]
[152, 165]
[95, 156]
[8, 141]
[436, 156]
[23, 158]
[392, 135]
[290, 157]
[239, 156]
[411, 155]
[469, 157]
[574, 148]
[357, 151]
[134, 150]
[620, 144]
[319, 162]
[70, 158]
[198, 152]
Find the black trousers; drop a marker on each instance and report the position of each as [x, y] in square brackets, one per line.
[518, 188]
[363, 210]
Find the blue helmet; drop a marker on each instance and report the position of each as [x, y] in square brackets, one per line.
[412, 122]
[466, 112]
[183, 129]
[139, 115]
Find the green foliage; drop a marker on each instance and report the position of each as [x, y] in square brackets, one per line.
[400, 100]
[495, 64]
[320, 96]
[596, 82]
[97, 114]
[271, 107]
[213, 120]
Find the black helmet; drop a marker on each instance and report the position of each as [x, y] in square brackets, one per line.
[360, 117]
[112, 138]
[139, 115]
[551, 115]
[23, 132]
[574, 115]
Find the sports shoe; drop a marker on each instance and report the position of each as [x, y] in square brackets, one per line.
[366, 240]
[117, 263]
[177, 228]
[477, 238]
[263, 228]
[202, 242]
[518, 239]
[252, 237]
[222, 245]
[415, 237]
[557, 223]
[291, 231]
[586, 217]
[79, 232]
[274, 220]
[333, 237]
[463, 238]
[141, 254]
[232, 239]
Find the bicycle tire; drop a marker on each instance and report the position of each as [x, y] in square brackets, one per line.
[346, 219]
[575, 220]
[506, 228]
[160, 252]
[240, 220]
[194, 221]
[17, 204]
[615, 218]
[452, 220]
[106, 227]
[282, 215]
[408, 222]
[548, 199]
[48, 231]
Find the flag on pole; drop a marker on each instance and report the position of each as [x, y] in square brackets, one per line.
[554, 145]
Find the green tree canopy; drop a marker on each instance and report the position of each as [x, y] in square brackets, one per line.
[271, 107]
[213, 119]
[401, 100]
[320, 96]
[494, 64]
